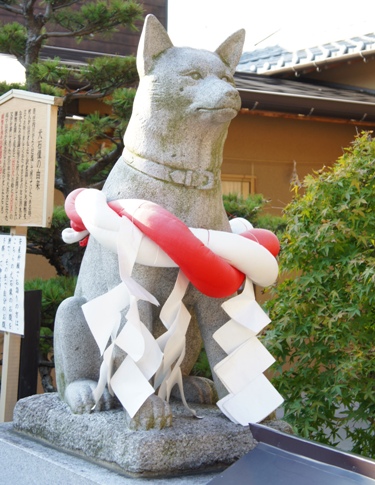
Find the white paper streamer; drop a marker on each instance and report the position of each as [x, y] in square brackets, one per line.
[254, 403]
[251, 396]
[130, 386]
[175, 318]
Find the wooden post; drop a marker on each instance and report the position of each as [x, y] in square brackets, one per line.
[9, 375]
[11, 363]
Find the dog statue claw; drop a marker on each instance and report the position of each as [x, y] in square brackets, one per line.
[155, 413]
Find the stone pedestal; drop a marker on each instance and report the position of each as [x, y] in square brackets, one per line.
[191, 446]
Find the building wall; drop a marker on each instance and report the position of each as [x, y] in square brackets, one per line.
[267, 147]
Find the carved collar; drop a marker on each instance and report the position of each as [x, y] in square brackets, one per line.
[197, 179]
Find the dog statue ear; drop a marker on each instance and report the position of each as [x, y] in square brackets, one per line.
[231, 49]
[154, 40]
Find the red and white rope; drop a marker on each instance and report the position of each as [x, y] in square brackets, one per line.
[216, 263]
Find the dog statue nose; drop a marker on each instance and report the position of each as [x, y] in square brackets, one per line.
[233, 94]
[233, 98]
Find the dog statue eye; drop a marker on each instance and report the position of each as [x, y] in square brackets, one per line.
[195, 75]
[227, 79]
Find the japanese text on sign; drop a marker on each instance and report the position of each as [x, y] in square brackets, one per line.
[20, 141]
[12, 270]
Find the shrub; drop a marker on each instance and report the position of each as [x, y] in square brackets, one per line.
[252, 208]
[323, 328]
[47, 242]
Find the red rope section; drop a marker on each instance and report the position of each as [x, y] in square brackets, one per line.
[209, 273]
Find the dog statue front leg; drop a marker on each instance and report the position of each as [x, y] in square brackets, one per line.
[77, 359]
[211, 317]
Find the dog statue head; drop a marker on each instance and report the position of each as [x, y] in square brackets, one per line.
[185, 100]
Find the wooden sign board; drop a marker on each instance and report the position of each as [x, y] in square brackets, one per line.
[28, 124]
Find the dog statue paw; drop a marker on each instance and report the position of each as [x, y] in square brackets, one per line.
[79, 397]
[198, 390]
[155, 413]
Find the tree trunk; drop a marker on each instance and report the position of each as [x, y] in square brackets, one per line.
[34, 25]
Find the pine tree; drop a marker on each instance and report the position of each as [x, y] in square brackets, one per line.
[86, 149]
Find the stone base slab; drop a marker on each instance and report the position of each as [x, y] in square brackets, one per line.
[190, 446]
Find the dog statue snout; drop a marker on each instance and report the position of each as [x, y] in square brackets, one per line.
[220, 100]
[232, 99]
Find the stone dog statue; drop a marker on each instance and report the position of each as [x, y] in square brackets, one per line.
[173, 154]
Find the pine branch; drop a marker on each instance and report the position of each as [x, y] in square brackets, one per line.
[65, 4]
[7, 6]
[104, 162]
[96, 18]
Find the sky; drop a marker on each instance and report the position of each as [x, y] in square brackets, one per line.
[293, 24]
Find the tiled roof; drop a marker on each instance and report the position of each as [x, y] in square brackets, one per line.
[271, 60]
[264, 93]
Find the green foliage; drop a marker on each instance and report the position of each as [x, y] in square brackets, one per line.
[273, 223]
[51, 72]
[323, 329]
[13, 38]
[87, 149]
[252, 209]
[202, 367]
[108, 73]
[71, 141]
[95, 81]
[121, 102]
[54, 291]
[237, 206]
[47, 242]
[102, 134]
[51, 90]
[5, 87]
[97, 17]
[101, 75]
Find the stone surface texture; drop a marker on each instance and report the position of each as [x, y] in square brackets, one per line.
[191, 445]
